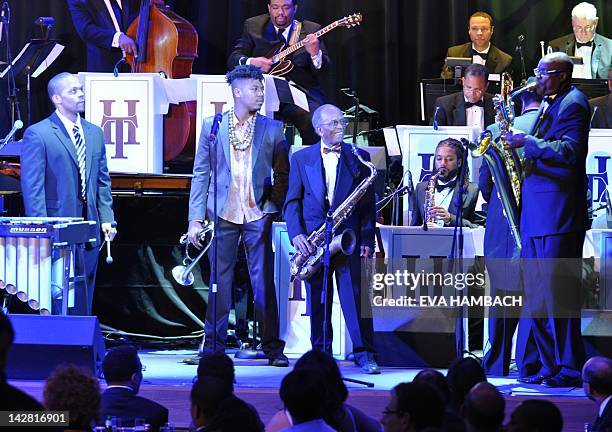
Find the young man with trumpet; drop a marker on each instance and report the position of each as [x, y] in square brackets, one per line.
[244, 153]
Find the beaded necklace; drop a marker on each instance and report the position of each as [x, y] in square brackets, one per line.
[245, 143]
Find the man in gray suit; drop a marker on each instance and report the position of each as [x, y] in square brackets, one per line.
[64, 172]
[247, 149]
[595, 49]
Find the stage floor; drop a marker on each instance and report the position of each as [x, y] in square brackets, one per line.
[168, 380]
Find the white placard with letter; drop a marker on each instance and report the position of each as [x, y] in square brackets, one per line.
[129, 109]
[598, 164]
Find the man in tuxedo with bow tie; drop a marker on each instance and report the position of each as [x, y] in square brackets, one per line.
[64, 172]
[102, 25]
[594, 49]
[470, 107]
[554, 220]
[449, 159]
[320, 179]
[480, 50]
[597, 384]
[263, 34]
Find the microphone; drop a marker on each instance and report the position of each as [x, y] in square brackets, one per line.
[435, 119]
[16, 126]
[116, 68]
[45, 21]
[592, 117]
[214, 130]
[348, 92]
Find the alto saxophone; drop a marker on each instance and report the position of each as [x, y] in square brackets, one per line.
[430, 198]
[303, 266]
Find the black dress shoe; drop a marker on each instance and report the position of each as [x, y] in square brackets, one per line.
[370, 367]
[534, 379]
[562, 380]
[280, 360]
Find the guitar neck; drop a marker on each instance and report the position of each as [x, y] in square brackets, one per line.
[296, 46]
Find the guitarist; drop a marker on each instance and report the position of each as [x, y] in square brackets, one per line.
[265, 34]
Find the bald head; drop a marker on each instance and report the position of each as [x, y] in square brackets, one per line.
[597, 377]
[484, 407]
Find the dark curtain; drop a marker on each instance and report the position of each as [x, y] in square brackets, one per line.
[399, 43]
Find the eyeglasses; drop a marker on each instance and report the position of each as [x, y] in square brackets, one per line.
[540, 72]
[586, 29]
[335, 123]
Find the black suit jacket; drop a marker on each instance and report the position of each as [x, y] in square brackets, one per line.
[124, 403]
[603, 423]
[470, 197]
[451, 110]
[94, 25]
[259, 39]
[601, 108]
[497, 60]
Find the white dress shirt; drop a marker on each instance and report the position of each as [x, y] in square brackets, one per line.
[69, 125]
[330, 166]
[583, 70]
[477, 59]
[474, 116]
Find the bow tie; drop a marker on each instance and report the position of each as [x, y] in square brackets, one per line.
[450, 185]
[333, 149]
[480, 104]
[580, 44]
[482, 55]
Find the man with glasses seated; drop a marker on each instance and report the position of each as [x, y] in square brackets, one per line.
[594, 49]
[470, 107]
[480, 50]
[321, 178]
[554, 221]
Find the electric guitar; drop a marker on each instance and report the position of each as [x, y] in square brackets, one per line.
[282, 66]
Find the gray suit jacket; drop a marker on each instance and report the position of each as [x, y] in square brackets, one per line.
[600, 58]
[270, 168]
[50, 173]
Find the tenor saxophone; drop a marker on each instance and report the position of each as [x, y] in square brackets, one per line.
[303, 266]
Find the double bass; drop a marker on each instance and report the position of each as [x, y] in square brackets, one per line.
[167, 44]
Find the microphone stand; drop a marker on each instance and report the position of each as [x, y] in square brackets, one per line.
[456, 252]
[11, 85]
[519, 49]
[329, 223]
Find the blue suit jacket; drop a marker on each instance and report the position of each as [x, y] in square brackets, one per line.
[50, 173]
[600, 57]
[306, 205]
[124, 403]
[554, 191]
[269, 155]
[94, 25]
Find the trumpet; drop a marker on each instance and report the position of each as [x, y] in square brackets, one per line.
[182, 274]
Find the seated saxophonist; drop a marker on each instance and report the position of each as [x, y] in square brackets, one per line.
[501, 258]
[441, 193]
[322, 177]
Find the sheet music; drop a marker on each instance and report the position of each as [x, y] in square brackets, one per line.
[55, 52]
[392, 142]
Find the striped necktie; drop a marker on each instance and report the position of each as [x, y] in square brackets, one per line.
[80, 150]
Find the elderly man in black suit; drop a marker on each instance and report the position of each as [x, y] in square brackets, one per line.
[480, 50]
[554, 220]
[594, 49]
[123, 373]
[597, 384]
[470, 107]
[265, 33]
[601, 107]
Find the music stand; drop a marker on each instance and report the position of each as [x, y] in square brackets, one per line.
[33, 59]
[458, 64]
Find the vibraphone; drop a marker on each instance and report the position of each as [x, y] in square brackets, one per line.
[38, 259]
